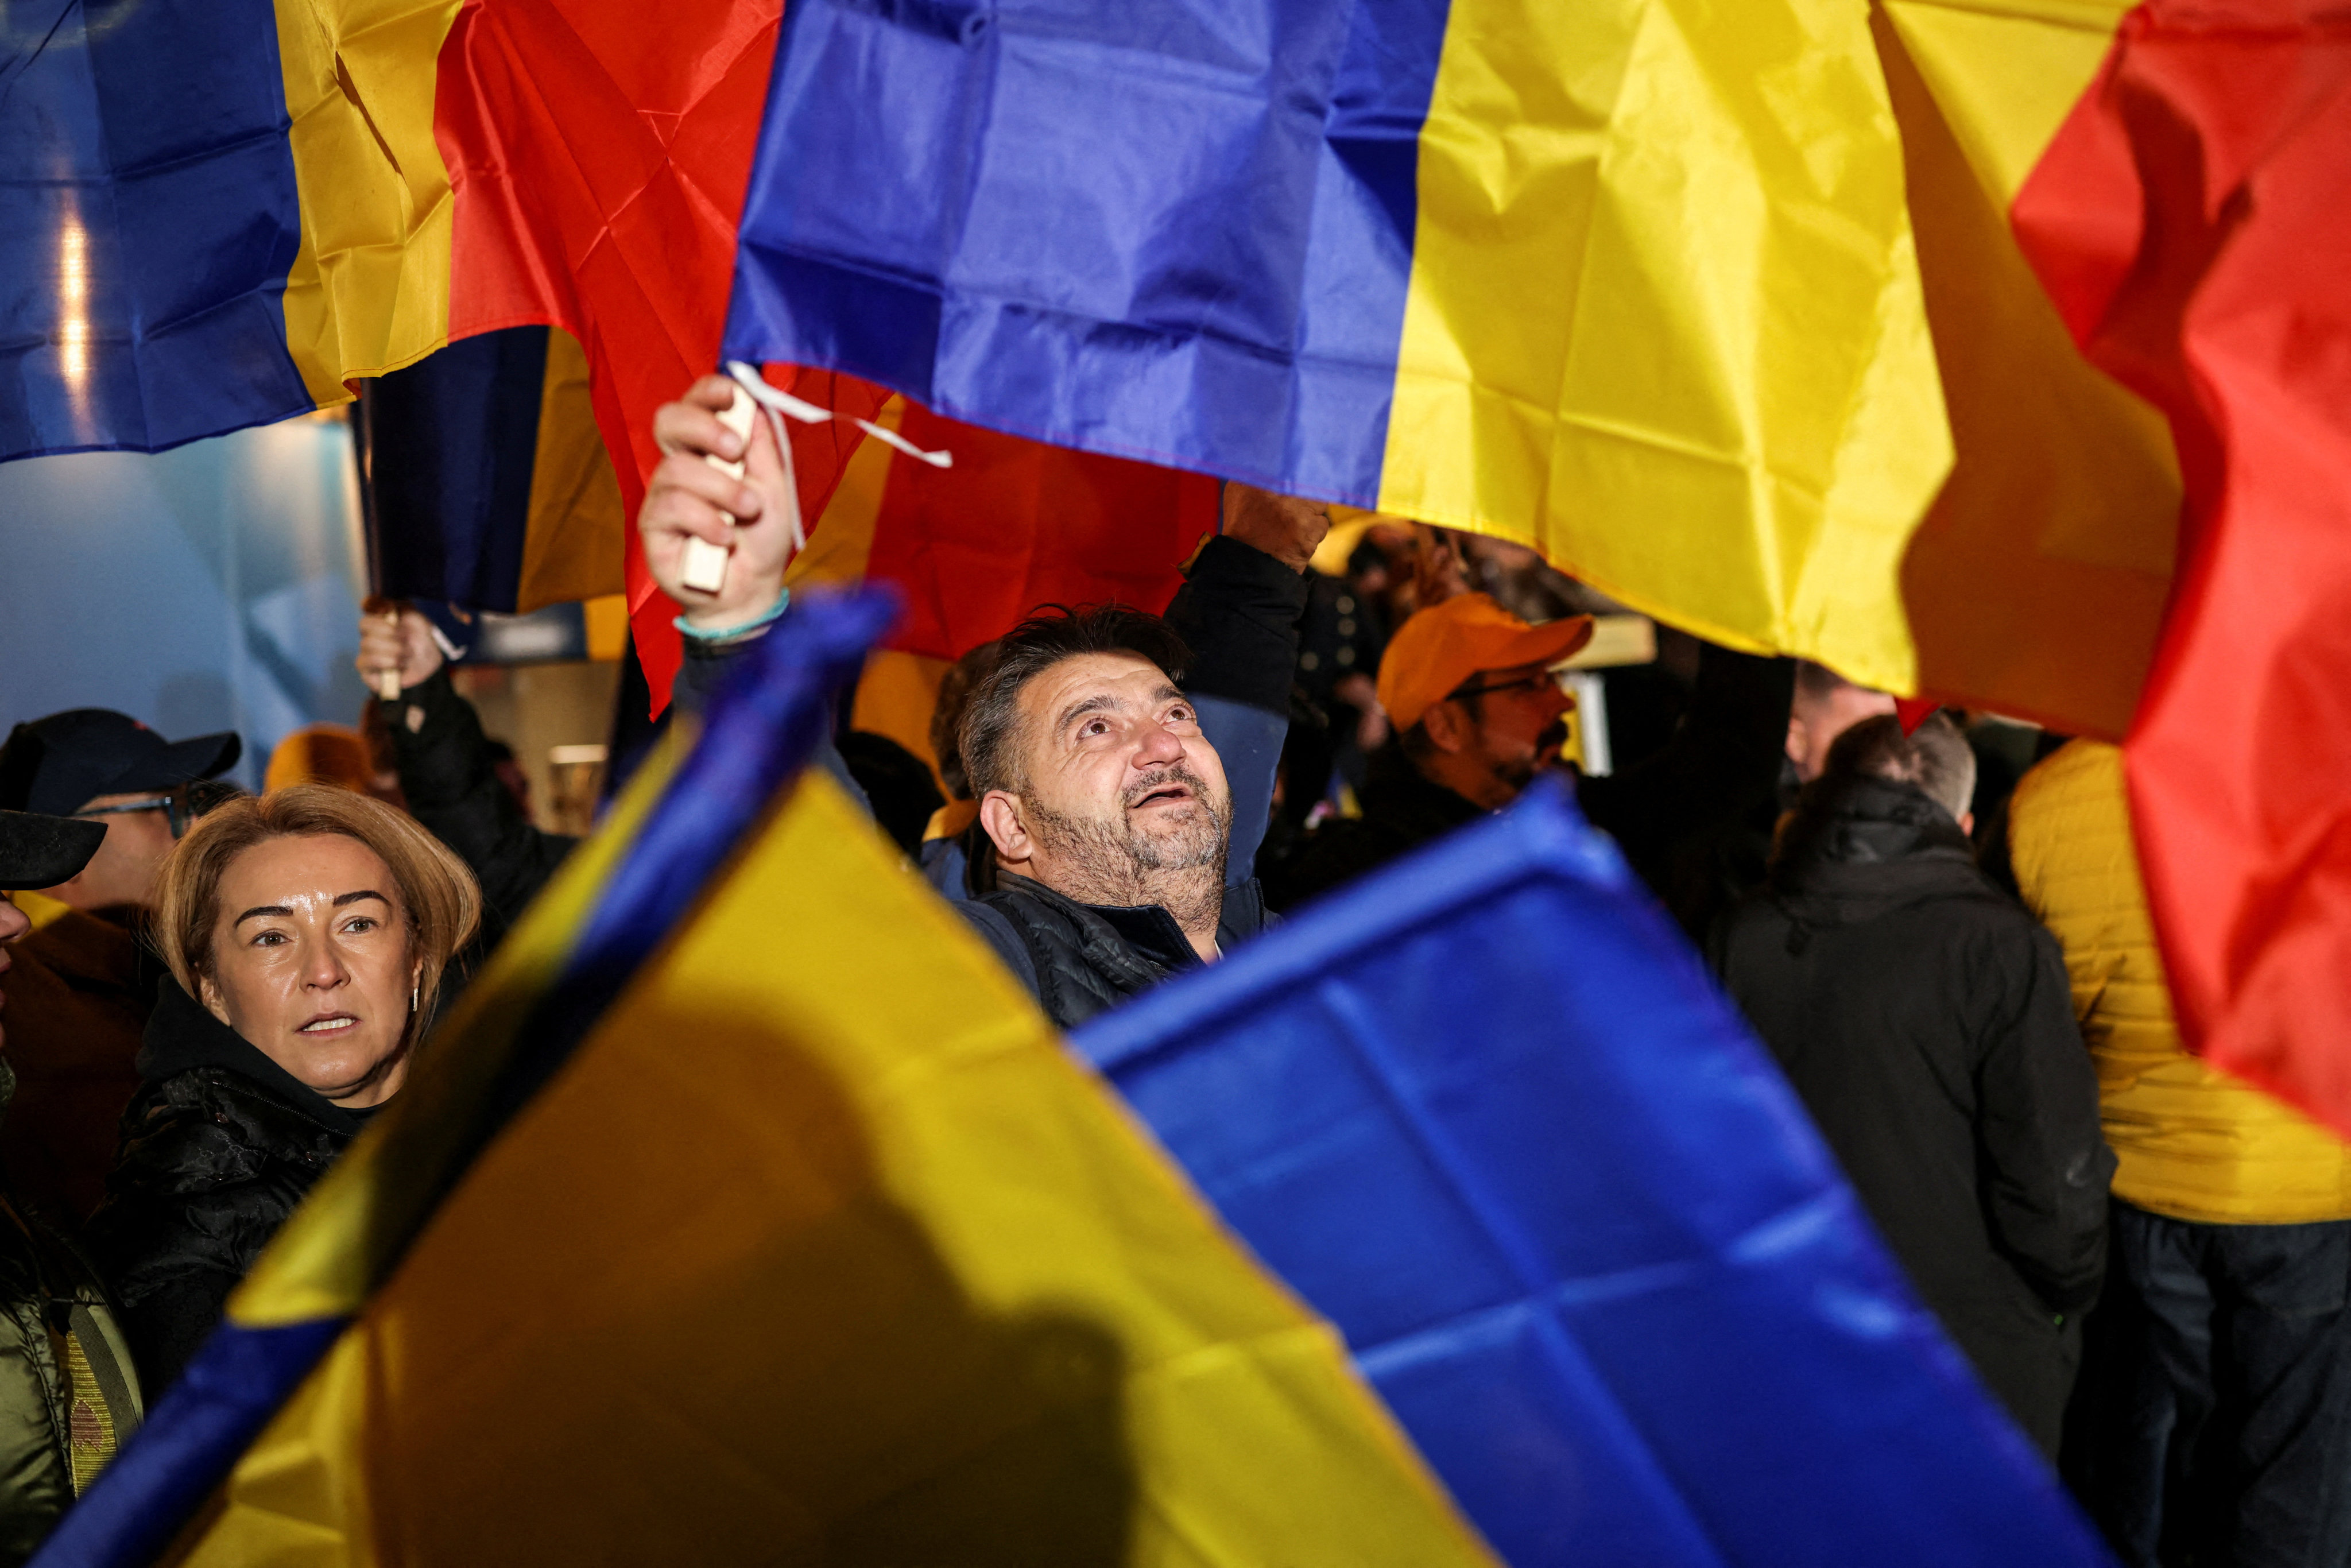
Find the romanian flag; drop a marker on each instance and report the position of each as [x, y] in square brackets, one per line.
[2150, 515]
[1706, 308]
[1520, 1251]
[1633, 282]
[221, 215]
[1985, 347]
[228, 215]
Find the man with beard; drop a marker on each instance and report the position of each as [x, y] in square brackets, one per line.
[1477, 713]
[1108, 817]
[1107, 808]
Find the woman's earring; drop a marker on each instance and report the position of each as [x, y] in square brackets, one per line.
[412, 993]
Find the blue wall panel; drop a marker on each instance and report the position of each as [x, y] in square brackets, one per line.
[212, 587]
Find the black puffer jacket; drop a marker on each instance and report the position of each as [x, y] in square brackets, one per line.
[1926, 1021]
[218, 1147]
[1079, 959]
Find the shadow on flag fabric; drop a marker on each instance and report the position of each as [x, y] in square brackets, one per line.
[748, 1212]
[1487, 1113]
[2036, 584]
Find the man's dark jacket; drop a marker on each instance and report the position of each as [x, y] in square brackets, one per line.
[1239, 611]
[1080, 959]
[218, 1147]
[1926, 1021]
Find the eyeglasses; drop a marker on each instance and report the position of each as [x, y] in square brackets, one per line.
[177, 808]
[152, 803]
[1522, 684]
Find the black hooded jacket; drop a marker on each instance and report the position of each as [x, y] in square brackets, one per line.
[218, 1147]
[1926, 1020]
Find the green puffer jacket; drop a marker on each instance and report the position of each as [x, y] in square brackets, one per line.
[68, 1397]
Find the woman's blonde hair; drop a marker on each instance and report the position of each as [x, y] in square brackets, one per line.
[443, 903]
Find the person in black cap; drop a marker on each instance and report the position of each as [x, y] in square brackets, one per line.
[85, 979]
[68, 1395]
[104, 766]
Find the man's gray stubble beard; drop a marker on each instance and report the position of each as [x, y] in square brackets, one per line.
[1132, 867]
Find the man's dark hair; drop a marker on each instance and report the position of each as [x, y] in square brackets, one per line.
[1935, 757]
[990, 760]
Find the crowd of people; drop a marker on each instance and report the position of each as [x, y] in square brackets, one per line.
[2144, 1261]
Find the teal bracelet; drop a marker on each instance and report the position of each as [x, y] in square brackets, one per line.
[722, 633]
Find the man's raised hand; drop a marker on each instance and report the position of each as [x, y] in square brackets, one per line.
[395, 639]
[1284, 526]
[688, 498]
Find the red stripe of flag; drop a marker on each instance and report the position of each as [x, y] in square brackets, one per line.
[1017, 524]
[598, 153]
[2190, 221]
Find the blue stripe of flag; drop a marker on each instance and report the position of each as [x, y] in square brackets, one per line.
[1487, 1113]
[148, 217]
[1178, 233]
[450, 447]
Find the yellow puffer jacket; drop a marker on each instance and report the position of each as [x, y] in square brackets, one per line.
[2194, 1143]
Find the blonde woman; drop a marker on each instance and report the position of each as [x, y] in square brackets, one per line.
[308, 931]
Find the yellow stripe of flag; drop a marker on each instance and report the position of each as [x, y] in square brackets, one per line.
[369, 290]
[1665, 321]
[2037, 583]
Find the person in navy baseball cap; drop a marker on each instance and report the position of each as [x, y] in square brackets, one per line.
[107, 766]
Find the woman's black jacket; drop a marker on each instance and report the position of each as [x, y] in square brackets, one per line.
[218, 1146]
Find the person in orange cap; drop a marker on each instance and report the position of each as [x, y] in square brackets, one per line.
[1477, 712]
